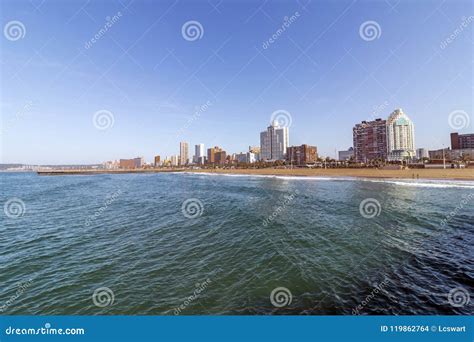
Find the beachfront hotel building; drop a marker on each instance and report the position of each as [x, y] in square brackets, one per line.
[400, 137]
[302, 155]
[274, 142]
[370, 140]
[216, 155]
[183, 153]
[462, 141]
[135, 163]
[199, 154]
[157, 160]
[220, 157]
[211, 154]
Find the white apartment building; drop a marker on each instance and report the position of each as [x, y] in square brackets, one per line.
[199, 154]
[400, 136]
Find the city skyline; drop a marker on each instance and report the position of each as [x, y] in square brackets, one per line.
[153, 86]
[391, 140]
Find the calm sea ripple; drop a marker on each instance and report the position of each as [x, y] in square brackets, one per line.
[166, 244]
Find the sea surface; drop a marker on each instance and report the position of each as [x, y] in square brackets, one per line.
[192, 244]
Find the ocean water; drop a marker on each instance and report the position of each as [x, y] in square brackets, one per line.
[191, 244]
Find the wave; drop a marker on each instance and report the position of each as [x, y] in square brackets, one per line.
[427, 183]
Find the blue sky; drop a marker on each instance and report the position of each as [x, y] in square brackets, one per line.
[151, 79]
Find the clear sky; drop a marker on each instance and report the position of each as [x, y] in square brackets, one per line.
[322, 69]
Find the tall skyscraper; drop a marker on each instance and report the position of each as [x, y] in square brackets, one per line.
[199, 154]
[370, 140]
[400, 136]
[183, 153]
[274, 142]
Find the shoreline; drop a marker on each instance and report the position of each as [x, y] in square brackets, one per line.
[433, 174]
[427, 174]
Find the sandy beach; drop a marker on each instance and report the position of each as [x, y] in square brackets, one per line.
[455, 174]
[458, 174]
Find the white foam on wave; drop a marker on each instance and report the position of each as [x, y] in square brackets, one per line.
[428, 183]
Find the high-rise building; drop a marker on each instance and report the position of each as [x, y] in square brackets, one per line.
[302, 155]
[157, 160]
[135, 163]
[462, 141]
[274, 142]
[199, 154]
[370, 140]
[183, 153]
[220, 157]
[211, 154]
[400, 136]
[346, 155]
[216, 155]
[175, 160]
